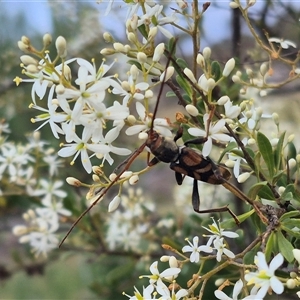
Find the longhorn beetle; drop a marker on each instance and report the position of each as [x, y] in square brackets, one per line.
[184, 160]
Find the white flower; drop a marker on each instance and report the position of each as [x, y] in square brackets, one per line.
[221, 249]
[215, 131]
[160, 125]
[264, 278]
[231, 111]
[156, 276]
[195, 249]
[107, 140]
[80, 147]
[48, 190]
[217, 232]
[236, 291]
[147, 293]
[285, 44]
[164, 291]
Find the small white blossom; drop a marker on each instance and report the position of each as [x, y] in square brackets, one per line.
[215, 131]
[195, 249]
[285, 44]
[264, 278]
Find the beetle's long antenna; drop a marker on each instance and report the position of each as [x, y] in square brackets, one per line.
[129, 162]
[169, 53]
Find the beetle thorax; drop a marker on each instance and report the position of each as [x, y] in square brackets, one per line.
[163, 148]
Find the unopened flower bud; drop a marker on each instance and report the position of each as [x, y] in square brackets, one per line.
[47, 39]
[133, 179]
[291, 283]
[131, 119]
[233, 5]
[141, 57]
[143, 136]
[251, 2]
[275, 118]
[95, 178]
[67, 72]
[293, 274]
[296, 253]
[249, 72]
[148, 94]
[118, 47]
[236, 79]
[60, 89]
[259, 112]
[33, 69]
[28, 60]
[292, 163]
[192, 110]
[210, 84]
[219, 281]
[173, 262]
[281, 190]
[229, 66]
[165, 258]
[108, 37]
[131, 37]
[107, 51]
[134, 71]
[73, 181]
[264, 69]
[274, 142]
[23, 47]
[290, 138]
[152, 33]
[114, 204]
[158, 52]
[112, 177]
[25, 40]
[61, 46]
[190, 75]
[206, 53]
[19, 230]
[127, 48]
[223, 100]
[298, 158]
[134, 21]
[243, 177]
[251, 142]
[200, 60]
[126, 174]
[167, 74]
[24, 239]
[229, 163]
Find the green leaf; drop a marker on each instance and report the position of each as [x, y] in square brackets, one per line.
[230, 223]
[278, 152]
[288, 193]
[271, 246]
[289, 215]
[292, 151]
[185, 85]
[290, 232]
[262, 189]
[216, 70]
[142, 29]
[265, 149]
[285, 247]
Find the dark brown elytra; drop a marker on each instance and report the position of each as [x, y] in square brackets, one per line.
[184, 160]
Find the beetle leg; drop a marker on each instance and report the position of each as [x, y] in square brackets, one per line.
[196, 141]
[179, 134]
[179, 178]
[153, 161]
[195, 197]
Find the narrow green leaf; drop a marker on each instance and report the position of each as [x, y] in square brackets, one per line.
[216, 70]
[285, 247]
[287, 195]
[290, 232]
[230, 223]
[271, 246]
[184, 84]
[262, 190]
[289, 215]
[278, 152]
[265, 149]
